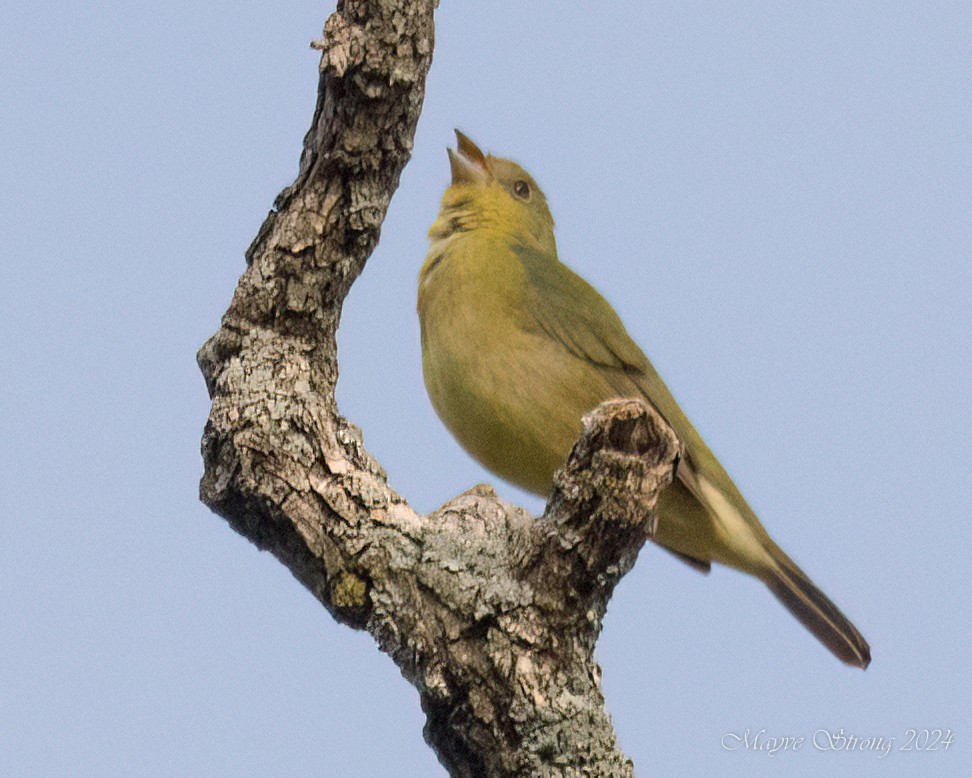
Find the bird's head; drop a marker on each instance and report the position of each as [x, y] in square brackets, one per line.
[491, 195]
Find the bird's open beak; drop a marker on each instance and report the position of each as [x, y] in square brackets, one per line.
[468, 163]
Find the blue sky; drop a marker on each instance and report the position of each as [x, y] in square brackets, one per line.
[777, 200]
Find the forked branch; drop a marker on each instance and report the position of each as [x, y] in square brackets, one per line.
[492, 614]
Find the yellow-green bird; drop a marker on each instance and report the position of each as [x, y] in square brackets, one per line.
[516, 348]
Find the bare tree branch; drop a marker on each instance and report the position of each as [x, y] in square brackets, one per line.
[491, 613]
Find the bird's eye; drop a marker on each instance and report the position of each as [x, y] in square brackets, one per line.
[522, 190]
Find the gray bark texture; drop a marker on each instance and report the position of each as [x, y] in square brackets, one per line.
[491, 613]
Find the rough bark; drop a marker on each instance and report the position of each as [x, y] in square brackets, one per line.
[492, 614]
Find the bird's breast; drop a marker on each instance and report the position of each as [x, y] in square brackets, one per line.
[492, 378]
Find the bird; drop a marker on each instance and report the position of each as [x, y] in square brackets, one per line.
[516, 348]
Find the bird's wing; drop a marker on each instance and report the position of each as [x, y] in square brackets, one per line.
[571, 311]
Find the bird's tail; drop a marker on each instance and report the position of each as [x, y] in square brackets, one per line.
[814, 609]
[699, 521]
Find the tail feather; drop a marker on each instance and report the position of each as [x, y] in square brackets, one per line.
[815, 611]
[705, 518]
